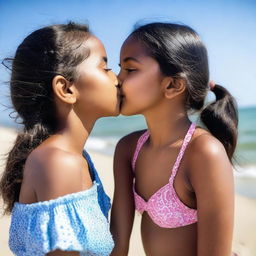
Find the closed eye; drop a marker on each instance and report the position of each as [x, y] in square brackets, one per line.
[130, 70]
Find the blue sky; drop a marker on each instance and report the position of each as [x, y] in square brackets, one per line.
[226, 27]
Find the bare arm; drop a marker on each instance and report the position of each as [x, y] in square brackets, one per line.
[122, 214]
[212, 179]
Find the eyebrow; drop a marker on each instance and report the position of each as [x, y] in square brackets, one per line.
[105, 59]
[128, 59]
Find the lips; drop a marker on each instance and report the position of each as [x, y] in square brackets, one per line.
[121, 97]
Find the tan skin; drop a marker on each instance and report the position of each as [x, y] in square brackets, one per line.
[204, 180]
[57, 167]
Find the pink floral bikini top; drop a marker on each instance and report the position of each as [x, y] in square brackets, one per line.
[164, 207]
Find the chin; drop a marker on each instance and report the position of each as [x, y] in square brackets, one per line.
[114, 112]
[125, 112]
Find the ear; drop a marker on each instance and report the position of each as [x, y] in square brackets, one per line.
[173, 86]
[64, 90]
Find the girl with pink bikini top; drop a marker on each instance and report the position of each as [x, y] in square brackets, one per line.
[164, 207]
[178, 176]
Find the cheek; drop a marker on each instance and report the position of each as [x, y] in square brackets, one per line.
[97, 82]
[142, 89]
[97, 89]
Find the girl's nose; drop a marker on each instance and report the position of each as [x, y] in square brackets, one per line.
[114, 77]
[119, 81]
[119, 77]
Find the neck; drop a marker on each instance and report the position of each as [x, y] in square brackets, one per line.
[73, 134]
[166, 127]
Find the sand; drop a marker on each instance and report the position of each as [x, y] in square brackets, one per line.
[244, 242]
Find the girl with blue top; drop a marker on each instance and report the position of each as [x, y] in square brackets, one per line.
[60, 85]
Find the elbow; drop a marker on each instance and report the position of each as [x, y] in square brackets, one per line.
[121, 247]
[120, 250]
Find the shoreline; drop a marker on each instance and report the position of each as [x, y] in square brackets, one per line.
[244, 241]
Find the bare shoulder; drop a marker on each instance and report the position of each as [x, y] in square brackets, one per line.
[127, 144]
[123, 156]
[206, 145]
[55, 172]
[51, 161]
[207, 156]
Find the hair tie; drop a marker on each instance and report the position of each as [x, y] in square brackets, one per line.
[211, 85]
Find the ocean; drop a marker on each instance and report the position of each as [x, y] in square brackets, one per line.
[108, 131]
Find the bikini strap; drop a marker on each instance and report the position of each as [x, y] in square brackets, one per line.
[185, 143]
[142, 139]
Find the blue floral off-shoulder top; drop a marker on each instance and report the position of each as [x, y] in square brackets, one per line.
[74, 222]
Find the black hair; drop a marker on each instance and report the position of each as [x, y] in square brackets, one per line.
[45, 53]
[181, 54]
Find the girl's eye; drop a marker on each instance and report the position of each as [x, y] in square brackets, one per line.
[129, 70]
[107, 69]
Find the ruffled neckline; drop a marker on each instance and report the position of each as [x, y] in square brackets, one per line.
[62, 199]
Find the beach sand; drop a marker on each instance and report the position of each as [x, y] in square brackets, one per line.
[244, 242]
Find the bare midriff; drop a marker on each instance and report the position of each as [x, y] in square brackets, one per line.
[158, 241]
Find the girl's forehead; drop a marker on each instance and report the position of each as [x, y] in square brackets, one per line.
[133, 47]
[94, 51]
[94, 45]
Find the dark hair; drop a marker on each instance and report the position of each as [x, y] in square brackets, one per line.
[181, 54]
[45, 53]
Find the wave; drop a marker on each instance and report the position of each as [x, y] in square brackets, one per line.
[104, 145]
[248, 171]
[245, 181]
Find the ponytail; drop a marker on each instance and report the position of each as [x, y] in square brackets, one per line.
[221, 119]
[11, 180]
